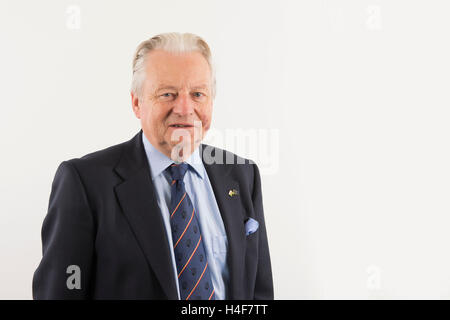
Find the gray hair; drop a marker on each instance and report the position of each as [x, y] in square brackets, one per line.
[172, 42]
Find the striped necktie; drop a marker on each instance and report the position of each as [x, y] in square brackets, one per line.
[190, 255]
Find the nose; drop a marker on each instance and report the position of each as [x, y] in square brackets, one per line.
[183, 104]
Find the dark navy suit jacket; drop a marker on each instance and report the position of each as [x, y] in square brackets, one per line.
[104, 218]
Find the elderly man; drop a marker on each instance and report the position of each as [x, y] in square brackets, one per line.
[161, 216]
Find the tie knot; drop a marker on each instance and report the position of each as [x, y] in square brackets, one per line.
[177, 171]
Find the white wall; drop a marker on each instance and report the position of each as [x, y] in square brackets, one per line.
[351, 98]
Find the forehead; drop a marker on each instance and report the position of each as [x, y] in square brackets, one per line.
[177, 69]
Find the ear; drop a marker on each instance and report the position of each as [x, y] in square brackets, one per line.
[135, 105]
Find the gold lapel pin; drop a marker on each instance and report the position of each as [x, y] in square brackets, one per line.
[233, 192]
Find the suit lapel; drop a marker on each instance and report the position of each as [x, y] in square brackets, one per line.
[137, 198]
[231, 211]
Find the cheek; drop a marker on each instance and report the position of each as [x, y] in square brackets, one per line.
[153, 118]
[205, 116]
[147, 117]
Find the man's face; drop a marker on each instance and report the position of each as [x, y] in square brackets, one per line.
[175, 105]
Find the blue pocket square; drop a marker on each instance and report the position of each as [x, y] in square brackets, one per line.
[251, 225]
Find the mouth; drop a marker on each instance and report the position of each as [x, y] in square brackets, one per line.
[181, 125]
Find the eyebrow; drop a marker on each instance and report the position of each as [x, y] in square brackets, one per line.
[165, 87]
[162, 87]
[202, 86]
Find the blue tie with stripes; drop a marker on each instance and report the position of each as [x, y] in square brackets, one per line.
[192, 264]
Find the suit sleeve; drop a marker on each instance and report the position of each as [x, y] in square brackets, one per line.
[68, 235]
[264, 282]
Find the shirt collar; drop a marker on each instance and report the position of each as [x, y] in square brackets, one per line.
[159, 161]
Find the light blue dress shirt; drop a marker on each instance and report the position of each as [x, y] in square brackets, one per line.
[202, 196]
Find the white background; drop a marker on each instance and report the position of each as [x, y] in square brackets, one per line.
[353, 95]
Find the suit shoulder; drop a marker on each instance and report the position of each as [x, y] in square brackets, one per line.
[101, 158]
[212, 154]
[239, 166]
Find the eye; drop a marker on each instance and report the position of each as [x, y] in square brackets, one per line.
[166, 95]
[198, 94]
